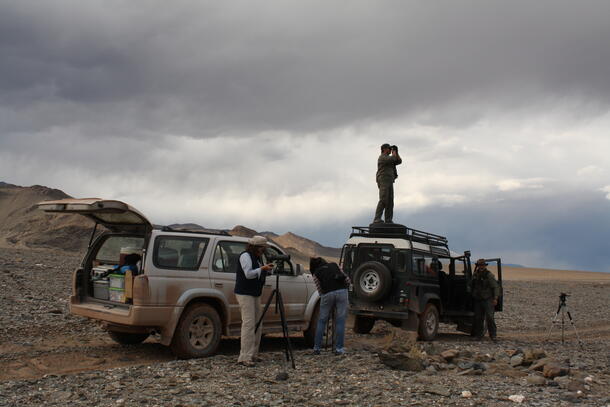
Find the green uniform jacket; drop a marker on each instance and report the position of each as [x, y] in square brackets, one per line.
[385, 168]
[484, 285]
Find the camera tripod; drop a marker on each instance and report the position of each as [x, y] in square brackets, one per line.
[279, 306]
[563, 308]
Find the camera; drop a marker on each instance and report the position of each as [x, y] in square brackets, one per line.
[279, 257]
[394, 148]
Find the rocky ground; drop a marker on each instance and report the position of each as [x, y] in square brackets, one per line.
[48, 357]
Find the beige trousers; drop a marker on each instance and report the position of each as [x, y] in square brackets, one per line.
[250, 314]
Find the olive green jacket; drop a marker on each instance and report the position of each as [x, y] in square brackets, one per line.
[386, 172]
[484, 285]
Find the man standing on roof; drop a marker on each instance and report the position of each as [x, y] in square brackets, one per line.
[386, 175]
[485, 293]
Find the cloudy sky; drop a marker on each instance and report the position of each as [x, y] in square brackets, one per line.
[271, 113]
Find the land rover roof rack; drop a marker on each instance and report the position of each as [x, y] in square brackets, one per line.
[401, 232]
[199, 231]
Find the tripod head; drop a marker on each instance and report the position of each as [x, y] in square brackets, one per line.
[562, 298]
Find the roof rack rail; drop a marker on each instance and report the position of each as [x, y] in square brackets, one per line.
[402, 232]
[198, 231]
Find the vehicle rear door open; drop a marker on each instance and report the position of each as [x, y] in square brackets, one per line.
[495, 266]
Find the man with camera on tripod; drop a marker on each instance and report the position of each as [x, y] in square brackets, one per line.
[386, 175]
[249, 282]
[485, 293]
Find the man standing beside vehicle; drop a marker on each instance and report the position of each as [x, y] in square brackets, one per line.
[249, 282]
[485, 293]
[386, 175]
[332, 284]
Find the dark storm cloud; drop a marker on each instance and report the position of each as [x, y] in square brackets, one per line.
[207, 68]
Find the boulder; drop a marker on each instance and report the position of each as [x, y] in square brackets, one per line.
[450, 354]
[539, 364]
[552, 370]
[398, 340]
[401, 361]
[516, 360]
[535, 380]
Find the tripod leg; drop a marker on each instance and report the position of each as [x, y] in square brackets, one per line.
[288, 345]
[260, 320]
[574, 326]
[552, 324]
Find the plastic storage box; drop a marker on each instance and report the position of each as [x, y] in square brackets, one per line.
[100, 289]
[116, 294]
[117, 281]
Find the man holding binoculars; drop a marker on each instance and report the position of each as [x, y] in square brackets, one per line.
[386, 174]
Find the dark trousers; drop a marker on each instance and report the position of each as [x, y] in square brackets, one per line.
[484, 312]
[386, 201]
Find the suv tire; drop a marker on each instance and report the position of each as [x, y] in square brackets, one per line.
[126, 338]
[363, 325]
[198, 332]
[310, 333]
[428, 323]
[372, 281]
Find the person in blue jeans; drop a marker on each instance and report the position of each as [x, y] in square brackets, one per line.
[332, 284]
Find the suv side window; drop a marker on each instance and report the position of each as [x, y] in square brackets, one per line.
[179, 252]
[423, 267]
[226, 256]
[402, 260]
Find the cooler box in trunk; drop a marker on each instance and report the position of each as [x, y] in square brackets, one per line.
[100, 289]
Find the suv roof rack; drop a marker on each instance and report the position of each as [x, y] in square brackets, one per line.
[401, 232]
[198, 231]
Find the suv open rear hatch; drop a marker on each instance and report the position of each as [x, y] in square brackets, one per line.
[117, 216]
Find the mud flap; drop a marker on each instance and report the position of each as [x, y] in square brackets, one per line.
[412, 323]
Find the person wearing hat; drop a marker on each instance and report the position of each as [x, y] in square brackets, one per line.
[249, 282]
[485, 294]
[386, 175]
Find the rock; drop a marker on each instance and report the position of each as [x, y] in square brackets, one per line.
[466, 394]
[281, 376]
[516, 360]
[465, 353]
[553, 370]
[517, 398]
[535, 380]
[539, 364]
[562, 381]
[399, 340]
[576, 386]
[440, 390]
[450, 354]
[401, 361]
[464, 365]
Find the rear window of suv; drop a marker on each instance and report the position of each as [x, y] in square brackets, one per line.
[179, 252]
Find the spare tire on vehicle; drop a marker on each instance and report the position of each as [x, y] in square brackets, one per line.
[372, 281]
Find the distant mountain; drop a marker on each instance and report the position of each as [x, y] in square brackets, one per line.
[22, 225]
[513, 265]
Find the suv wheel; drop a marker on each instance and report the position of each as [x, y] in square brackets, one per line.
[363, 325]
[126, 338]
[372, 281]
[310, 333]
[428, 323]
[198, 332]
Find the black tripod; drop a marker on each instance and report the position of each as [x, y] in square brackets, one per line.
[279, 306]
[563, 308]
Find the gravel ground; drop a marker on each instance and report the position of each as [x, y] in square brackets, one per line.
[48, 357]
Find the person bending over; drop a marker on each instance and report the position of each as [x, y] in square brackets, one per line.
[332, 284]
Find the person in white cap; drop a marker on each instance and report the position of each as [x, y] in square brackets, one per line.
[249, 282]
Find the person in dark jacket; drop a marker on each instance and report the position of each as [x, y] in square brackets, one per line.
[332, 284]
[249, 281]
[485, 294]
[386, 175]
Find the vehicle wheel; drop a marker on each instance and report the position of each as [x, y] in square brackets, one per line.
[198, 332]
[428, 323]
[372, 281]
[125, 338]
[363, 325]
[310, 333]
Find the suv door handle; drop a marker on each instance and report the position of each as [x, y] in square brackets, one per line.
[218, 285]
